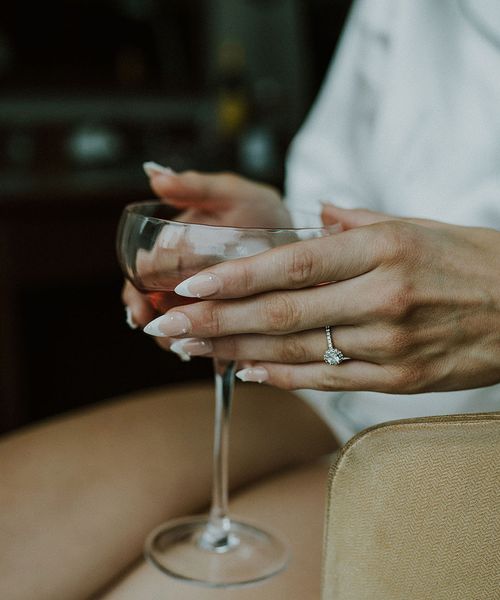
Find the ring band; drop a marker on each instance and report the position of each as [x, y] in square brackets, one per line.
[333, 356]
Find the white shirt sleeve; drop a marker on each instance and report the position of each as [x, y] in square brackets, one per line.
[325, 157]
[408, 123]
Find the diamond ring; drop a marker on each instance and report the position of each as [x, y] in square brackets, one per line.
[333, 356]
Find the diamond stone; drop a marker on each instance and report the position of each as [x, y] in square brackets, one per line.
[333, 356]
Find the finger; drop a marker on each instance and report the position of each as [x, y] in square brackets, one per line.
[167, 343]
[367, 343]
[343, 303]
[305, 347]
[298, 265]
[350, 218]
[351, 375]
[184, 189]
[362, 343]
[139, 311]
[164, 343]
[212, 192]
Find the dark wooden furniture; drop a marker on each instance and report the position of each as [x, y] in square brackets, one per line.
[63, 338]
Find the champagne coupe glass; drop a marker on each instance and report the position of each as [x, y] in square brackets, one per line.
[157, 252]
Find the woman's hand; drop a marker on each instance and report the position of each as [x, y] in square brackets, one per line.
[414, 304]
[218, 199]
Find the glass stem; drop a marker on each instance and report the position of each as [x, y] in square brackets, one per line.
[217, 536]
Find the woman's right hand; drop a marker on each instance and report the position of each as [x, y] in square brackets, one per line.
[215, 199]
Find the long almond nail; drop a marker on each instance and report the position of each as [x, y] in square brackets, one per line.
[170, 325]
[257, 374]
[177, 349]
[152, 168]
[191, 347]
[199, 286]
[130, 319]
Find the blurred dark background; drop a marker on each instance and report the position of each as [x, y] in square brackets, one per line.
[90, 89]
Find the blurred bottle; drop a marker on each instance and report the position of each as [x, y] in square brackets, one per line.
[232, 99]
[259, 154]
[95, 145]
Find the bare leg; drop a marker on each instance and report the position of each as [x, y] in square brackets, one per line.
[291, 502]
[79, 494]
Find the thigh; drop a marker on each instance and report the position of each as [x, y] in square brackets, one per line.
[291, 503]
[80, 493]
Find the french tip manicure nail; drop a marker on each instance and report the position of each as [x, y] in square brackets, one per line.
[176, 348]
[254, 374]
[172, 324]
[130, 319]
[152, 328]
[153, 168]
[198, 286]
[182, 289]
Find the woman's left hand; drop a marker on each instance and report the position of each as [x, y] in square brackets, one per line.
[414, 304]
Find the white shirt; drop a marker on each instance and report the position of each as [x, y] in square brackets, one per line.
[408, 123]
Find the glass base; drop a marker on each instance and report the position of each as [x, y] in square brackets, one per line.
[252, 555]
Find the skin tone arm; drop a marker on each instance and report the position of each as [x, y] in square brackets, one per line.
[414, 304]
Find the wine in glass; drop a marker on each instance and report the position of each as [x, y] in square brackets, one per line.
[157, 250]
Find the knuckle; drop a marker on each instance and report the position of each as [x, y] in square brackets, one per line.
[407, 378]
[195, 178]
[212, 319]
[281, 313]
[225, 347]
[302, 265]
[402, 241]
[396, 302]
[200, 182]
[406, 242]
[293, 350]
[329, 380]
[285, 380]
[285, 384]
[230, 180]
[246, 276]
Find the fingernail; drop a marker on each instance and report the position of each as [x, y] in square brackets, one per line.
[191, 347]
[199, 286]
[153, 168]
[169, 325]
[130, 319]
[184, 356]
[258, 374]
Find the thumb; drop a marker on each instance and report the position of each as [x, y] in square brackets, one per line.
[350, 218]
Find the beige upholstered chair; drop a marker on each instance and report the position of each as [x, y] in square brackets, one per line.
[414, 512]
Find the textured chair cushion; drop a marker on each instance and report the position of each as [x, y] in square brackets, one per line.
[414, 512]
